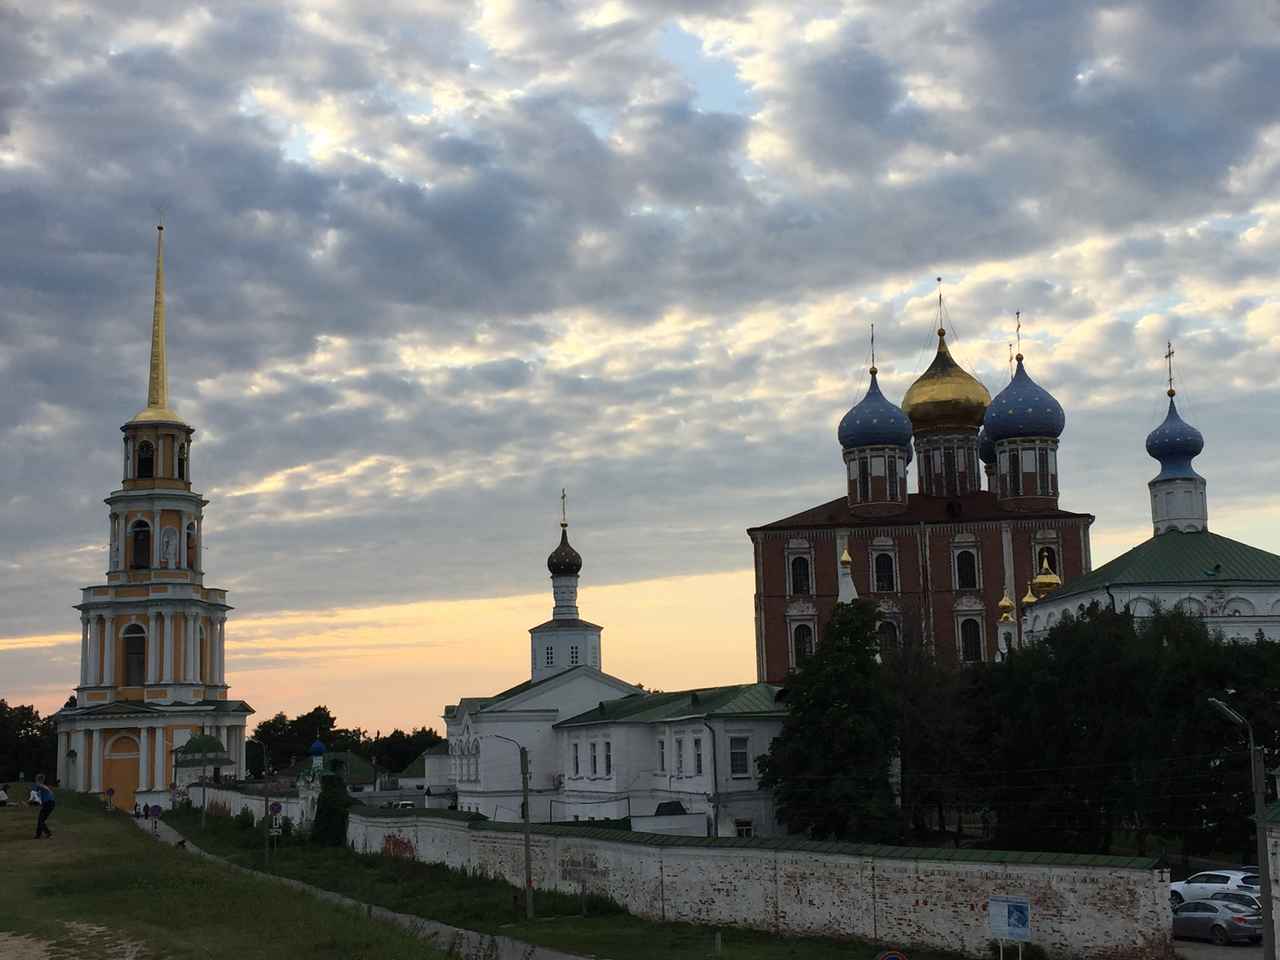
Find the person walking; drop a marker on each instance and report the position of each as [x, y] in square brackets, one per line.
[46, 808]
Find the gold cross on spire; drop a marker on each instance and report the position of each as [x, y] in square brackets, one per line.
[1018, 316]
[1168, 356]
[564, 509]
[873, 348]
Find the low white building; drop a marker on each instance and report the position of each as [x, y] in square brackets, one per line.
[600, 748]
[1233, 587]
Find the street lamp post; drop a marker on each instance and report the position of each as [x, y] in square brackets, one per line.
[524, 794]
[1258, 772]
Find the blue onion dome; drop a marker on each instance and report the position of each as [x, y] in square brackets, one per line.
[874, 422]
[564, 560]
[1174, 443]
[317, 749]
[1023, 409]
[986, 448]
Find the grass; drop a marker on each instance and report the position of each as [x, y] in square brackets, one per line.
[101, 887]
[476, 903]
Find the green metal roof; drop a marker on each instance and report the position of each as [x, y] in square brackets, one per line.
[200, 751]
[1201, 558]
[353, 767]
[746, 699]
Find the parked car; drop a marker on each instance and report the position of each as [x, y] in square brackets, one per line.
[1217, 920]
[1203, 886]
[1248, 900]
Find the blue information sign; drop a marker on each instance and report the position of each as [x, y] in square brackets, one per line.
[1010, 918]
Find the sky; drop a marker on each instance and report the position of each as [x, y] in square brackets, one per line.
[430, 262]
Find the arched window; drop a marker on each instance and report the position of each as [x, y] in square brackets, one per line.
[966, 570]
[135, 656]
[182, 461]
[885, 582]
[140, 555]
[146, 460]
[970, 641]
[192, 546]
[803, 642]
[800, 575]
[887, 634]
[1049, 555]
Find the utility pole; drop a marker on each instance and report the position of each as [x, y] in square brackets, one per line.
[528, 853]
[1257, 770]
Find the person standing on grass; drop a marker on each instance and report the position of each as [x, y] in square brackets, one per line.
[4, 794]
[46, 808]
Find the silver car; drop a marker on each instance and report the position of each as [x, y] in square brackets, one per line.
[1204, 885]
[1218, 920]
[1247, 900]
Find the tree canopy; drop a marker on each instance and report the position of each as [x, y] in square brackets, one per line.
[288, 740]
[28, 743]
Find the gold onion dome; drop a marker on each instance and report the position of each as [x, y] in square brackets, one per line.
[945, 395]
[1030, 598]
[1046, 580]
[1005, 603]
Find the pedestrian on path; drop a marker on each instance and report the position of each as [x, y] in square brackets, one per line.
[46, 808]
[4, 794]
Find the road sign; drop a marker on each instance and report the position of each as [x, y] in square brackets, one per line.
[275, 806]
[1010, 918]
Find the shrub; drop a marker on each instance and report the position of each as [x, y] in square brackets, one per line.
[329, 828]
[216, 808]
[244, 819]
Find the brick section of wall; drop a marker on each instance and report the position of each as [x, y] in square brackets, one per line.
[1103, 910]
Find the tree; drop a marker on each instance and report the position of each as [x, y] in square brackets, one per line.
[28, 743]
[329, 829]
[829, 767]
[288, 740]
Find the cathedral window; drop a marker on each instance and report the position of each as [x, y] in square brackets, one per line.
[864, 480]
[971, 465]
[146, 460]
[803, 642]
[966, 570]
[1042, 472]
[140, 555]
[893, 478]
[551, 656]
[135, 656]
[1015, 473]
[970, 640]
[887, 636]
[885, 579]
[949, 470]
[800, 576]
[182, 462]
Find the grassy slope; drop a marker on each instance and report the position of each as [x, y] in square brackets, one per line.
[432, 891]
[99, 869]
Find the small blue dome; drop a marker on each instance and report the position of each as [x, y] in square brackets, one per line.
[874, 422]
[1023, 409]
[317, 749]
[986, 448]
[1174, 443]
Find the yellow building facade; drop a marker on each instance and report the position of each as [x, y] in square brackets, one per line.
[153, 636]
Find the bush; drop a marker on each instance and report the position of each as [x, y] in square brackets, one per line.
[244, 819]
[216, 808]
[330, 826]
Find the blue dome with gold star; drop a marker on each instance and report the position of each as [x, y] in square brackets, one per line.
[1174, 443]
[874, 422]
[1023, 409]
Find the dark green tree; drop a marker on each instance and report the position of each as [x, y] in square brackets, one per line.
[28, 743]
[333, 806]
[829, 767]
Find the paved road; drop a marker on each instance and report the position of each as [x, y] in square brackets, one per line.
[1192, 950]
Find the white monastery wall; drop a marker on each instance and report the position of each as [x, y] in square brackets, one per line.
[292, 807]
[1078, 911]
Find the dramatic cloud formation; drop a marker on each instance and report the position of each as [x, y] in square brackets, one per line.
[430, 262]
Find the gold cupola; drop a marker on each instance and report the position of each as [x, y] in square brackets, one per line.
[945, 396]
[1046, 581]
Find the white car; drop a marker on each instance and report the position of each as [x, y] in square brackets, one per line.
[1202, 886]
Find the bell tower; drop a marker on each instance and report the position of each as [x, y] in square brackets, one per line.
[152, 647]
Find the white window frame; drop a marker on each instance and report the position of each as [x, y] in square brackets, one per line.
[746, 737]
[799, 548]
[574, 657]
[961, 617]
[679, 746]
[549, 658]
[959, 547]
[593, 755]
[577, 761]
[792, 624]
[892, 553]
[662, 754]
[608, 758]
[697, 756]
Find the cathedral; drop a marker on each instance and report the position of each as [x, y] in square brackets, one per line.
[944, 564]
[152, 642]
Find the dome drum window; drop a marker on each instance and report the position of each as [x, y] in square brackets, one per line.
[947, 465]
[877, 475]
[1027, 468]
[146, 461]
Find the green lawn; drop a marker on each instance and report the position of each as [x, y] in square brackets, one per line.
[100, 888]
[435, 892]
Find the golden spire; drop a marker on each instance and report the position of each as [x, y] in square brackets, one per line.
[158, 378]
[158, 384]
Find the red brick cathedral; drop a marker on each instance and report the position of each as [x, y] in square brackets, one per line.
[945, 563]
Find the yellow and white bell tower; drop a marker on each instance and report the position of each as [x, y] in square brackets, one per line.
[152, 642]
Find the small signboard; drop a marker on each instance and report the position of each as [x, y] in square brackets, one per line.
[275, 806]
[274, 832]
[1010, 918]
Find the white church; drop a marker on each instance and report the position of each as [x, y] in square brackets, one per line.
[601, 748]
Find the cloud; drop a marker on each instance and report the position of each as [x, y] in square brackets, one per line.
[430, 263]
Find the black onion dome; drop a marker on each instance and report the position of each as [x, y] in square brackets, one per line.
[564, 560]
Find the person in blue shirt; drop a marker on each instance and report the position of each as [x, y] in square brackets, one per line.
[46, 808]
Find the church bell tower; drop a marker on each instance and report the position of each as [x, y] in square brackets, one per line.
[152, 642]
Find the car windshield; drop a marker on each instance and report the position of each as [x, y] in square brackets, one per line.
[1249, 880]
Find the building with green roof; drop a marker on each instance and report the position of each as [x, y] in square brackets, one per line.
[1233, 587]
